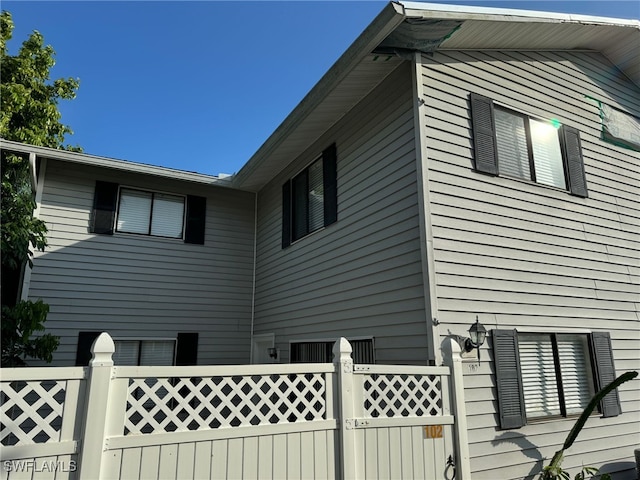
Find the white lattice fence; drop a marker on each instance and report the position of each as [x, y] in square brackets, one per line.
[38, 405]
[402, 395]
[258, 421]
[186, 404]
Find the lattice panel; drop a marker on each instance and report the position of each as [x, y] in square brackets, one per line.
[172, 404]
[402, 395]
[31, 411]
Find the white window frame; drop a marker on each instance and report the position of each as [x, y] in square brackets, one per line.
[531, 164]
[153, 193]
[558, 393]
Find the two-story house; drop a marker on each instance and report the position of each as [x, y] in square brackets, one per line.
[454, 163]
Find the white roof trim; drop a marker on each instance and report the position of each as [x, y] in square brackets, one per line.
[429, 10]
[103, 162]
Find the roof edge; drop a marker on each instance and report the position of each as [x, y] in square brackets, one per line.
[385, 22]
[465, 12]
[114, 164]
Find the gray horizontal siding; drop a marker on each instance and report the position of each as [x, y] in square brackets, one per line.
[142, 286]
[362, 275]
[522, 255]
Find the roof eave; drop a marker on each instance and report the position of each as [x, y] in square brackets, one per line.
[113, 164]
[465, 12]
[386, 21]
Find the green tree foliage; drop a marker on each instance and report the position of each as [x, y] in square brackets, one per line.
[28, 114]
[19, 323]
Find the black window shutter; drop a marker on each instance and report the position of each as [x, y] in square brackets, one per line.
[196, 219]
[605, 372]
[508, 379]
[574, 163]
[484, 135]
[330, 179]
[83, 350]
[286, 214]
[104, 208]
[187, 349]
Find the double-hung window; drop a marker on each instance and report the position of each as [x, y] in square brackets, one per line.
[551, 375]
[309, 199]
[150, 213]
[512, 144]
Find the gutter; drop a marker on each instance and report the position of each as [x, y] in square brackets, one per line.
[387, 20]
[104, 162]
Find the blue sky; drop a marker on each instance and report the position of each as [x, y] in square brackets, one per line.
[200, 85]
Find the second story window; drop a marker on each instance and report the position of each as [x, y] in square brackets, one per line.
[512, 144]
[529, 148]
[150, 213]
[310, 199]
[132, 210]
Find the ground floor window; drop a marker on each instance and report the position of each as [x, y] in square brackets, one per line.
[152, 352]
[556, 374]
[322, 351]
[551, 375]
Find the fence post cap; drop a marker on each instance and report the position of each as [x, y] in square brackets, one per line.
[102, 351]
[342, 350]
[450, 349]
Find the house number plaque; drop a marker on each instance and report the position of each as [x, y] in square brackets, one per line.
[433, 431]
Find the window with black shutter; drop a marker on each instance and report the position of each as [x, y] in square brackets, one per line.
[512, 144]
[309, 200]
[147, 351]
[144, 212]
[551, 375]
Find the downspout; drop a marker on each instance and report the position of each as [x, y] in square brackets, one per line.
[38, 174]
[424, 213]
[255, 258]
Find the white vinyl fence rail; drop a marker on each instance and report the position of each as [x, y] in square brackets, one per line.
[316, 421]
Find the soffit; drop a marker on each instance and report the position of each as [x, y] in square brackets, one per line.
[354, 87]
[619, 44]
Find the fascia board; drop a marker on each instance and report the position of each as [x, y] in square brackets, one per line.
[110, 163]
[464, 12]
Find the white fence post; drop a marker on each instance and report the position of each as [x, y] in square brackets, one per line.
[451, 353]
[96, 407]
[348, 449]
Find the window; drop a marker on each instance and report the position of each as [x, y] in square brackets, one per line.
[322, 351]
[148, 213]
[551, 375]
[556, 374]
[309, 200]
[512, 144]
[144, 352]
[184, 350]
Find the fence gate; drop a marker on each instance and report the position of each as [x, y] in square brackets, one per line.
[319, 421]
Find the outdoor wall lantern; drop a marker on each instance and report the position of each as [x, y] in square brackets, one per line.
[477, 335]
[273, 352]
